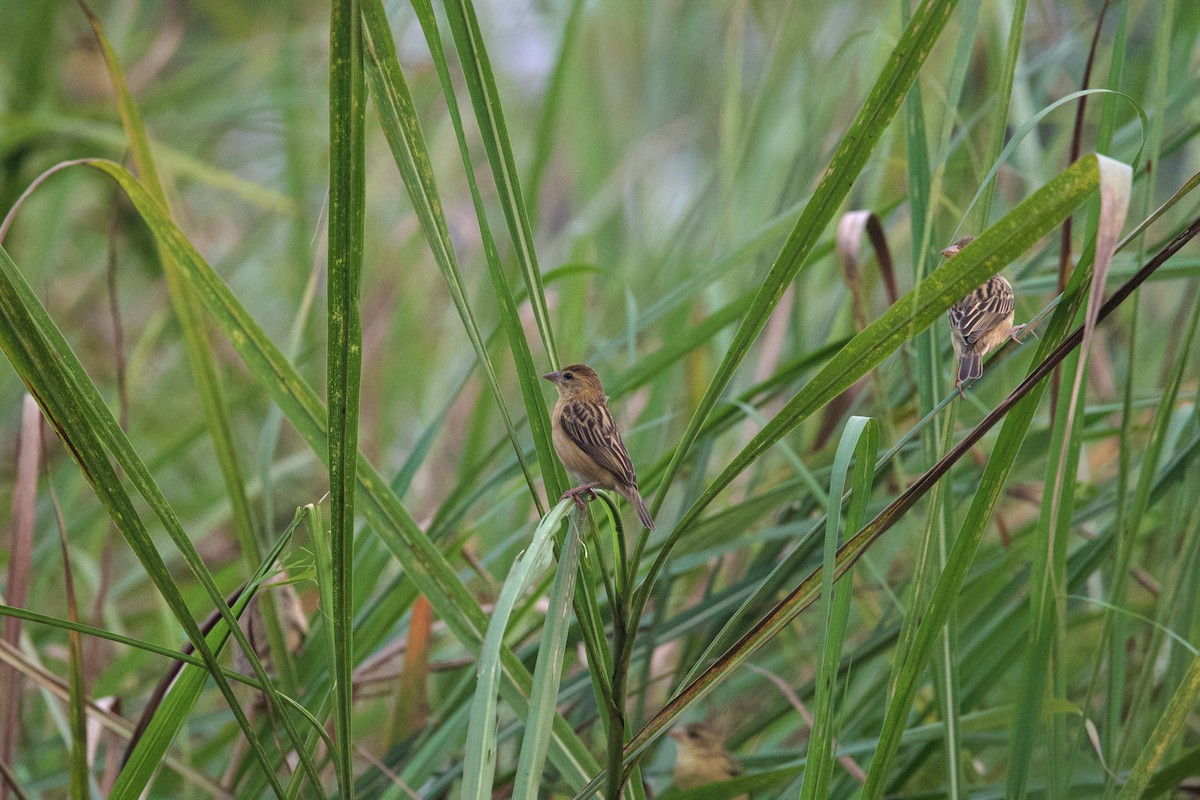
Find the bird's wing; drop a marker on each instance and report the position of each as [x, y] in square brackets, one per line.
[982, 310]
[592, 429]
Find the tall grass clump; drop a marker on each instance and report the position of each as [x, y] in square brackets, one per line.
[866, 582]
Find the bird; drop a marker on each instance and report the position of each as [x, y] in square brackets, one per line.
[588, 442]
[701, 757]
[980, 321]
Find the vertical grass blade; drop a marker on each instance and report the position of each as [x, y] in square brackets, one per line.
[480, 764]
[347, 196]
[547, 675]
[858, 448]
[489, 115]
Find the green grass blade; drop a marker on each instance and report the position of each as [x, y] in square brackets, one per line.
[70, 403]
[848, 161]
[489, 115]
[1113, 180]
[398, 118]
[858, 448]
[421, 559]
[201, 359]
[547, 675]
[1181, 705]
[480, 764]
[984, 257]
[347, 200]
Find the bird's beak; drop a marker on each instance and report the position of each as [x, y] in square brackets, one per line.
[552, 376]
[676, 734]
[950, 251]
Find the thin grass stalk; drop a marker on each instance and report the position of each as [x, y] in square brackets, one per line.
[187, 309]
[1104, 139]
[999, 118]
[925, 195]
[29, 453]
[1129, 514]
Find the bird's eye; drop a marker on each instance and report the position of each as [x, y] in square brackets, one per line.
[693, 735]
[568, 376]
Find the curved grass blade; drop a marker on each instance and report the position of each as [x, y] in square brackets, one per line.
[548, 673]
[143, 763]
[398, 118]
[860, 445]
[480, 765]
[927, 301]
[489, 115]
[202, 362]
[873, 118]
[347, 200]
[423, 562]
[70, 403]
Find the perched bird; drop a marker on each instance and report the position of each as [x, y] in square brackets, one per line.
[980, 321]
[587, 439]
[701, 757]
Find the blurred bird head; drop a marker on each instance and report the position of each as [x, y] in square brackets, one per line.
[576, 382]
[953, 250]
[701, 756]
[696, 736]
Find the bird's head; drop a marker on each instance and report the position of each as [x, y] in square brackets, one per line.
[577, 382]
[697, 738]
[954, 249]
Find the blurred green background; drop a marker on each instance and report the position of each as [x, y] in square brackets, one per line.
[665, 150]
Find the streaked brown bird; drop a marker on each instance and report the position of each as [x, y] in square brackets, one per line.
[980, 321]
[587, 440]
[701, 757]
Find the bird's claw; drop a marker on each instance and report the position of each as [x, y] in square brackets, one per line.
[1016, 331]
[961, 392]
[577, 494]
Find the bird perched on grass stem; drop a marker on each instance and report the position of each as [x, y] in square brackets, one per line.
[980, 321]
[701, 757]
[587, 440]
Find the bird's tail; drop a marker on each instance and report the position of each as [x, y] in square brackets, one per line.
[970, 368]
[639, 505]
